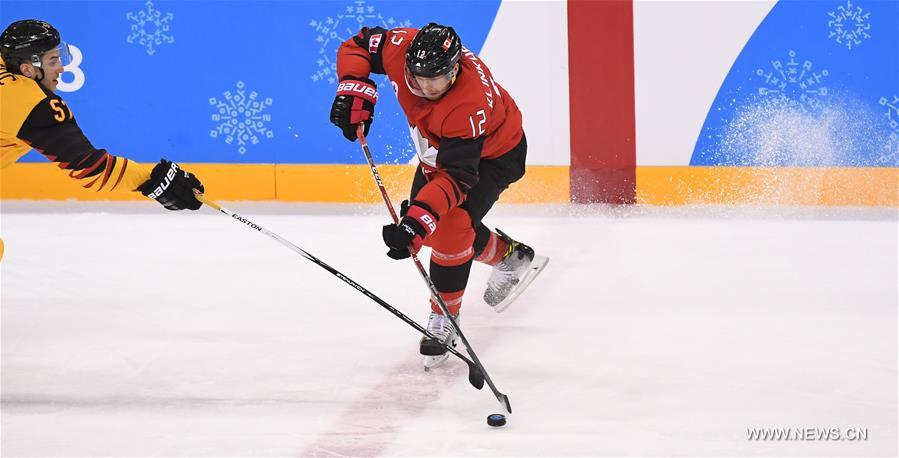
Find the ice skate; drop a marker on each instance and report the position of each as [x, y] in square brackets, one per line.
[434, 351]
[512, 275]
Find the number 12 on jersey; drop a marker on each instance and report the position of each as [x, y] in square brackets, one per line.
[480, 123]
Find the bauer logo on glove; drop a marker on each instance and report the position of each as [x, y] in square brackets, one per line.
[418, 223]
[354, 104]
[172, 187]
[165, 184]
[357, 88]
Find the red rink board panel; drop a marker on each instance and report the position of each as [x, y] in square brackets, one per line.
[601, 88]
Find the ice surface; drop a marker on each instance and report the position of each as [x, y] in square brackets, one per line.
[128, 330]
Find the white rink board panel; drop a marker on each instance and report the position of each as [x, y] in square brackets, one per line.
[683, 50]
[527, 51]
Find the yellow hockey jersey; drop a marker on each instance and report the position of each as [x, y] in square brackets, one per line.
[33, 117]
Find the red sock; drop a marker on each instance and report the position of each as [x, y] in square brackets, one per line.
[493, 252]
[453, 302]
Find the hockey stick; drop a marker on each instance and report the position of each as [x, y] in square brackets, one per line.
[502, 398]
[475, 376]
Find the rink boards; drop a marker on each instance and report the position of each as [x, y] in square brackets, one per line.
[542, 184]
[665, 103]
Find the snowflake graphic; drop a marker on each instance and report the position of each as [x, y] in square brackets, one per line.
[150, 28]
[892, 114]
[849, 25]
[240, 117]
[793, 81]
[332, 31]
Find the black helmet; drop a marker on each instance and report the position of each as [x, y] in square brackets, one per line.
[434, 51]
[26, 41]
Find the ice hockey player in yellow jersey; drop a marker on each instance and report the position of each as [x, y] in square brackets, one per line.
[33, 116]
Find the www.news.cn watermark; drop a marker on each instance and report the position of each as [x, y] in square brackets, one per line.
[807, 434]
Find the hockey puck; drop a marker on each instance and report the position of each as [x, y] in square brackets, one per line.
[496, 420]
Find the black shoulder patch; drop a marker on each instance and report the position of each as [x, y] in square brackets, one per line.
[372, 40]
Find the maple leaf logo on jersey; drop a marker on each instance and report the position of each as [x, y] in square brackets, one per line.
[373, 43]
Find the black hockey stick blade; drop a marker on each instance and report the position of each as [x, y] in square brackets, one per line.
[504, 400]
[475, 376]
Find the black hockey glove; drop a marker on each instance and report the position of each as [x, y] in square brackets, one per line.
[416, 225]
[355, 103]
[172, 187]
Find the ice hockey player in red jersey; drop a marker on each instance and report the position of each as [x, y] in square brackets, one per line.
[468, 135]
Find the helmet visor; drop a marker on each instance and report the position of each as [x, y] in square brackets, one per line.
[50, 57]
[65, 55]
[428, 87]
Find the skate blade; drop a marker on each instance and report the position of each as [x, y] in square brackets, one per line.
[537, 266]
[435, 361]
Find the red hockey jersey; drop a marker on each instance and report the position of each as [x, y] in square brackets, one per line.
[475, 119]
